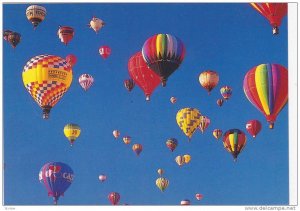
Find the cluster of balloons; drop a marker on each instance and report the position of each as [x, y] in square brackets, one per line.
[137, 148]
[198, 196]
[183, 159]
[162, 183]
[160, 56]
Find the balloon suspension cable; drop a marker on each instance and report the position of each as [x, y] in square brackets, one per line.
[275, 30]
[46, 111]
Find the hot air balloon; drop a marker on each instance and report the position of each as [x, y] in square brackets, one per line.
[86, 81]
[114, 198]
[253, 127]
[104, 51]
[57, 177]
[72, 132]
[198, 196]
[6, 33]
[204, 123]
[163, 53]
[160, 171]
[273, 12]
[41, 175]
[47, 78]
[127, 139]
[217, 133]
[14, 39]
[102, 177]
[187, 158]
[162, 183]
[185, 202]
[71, 59]
[116, 133]
[96, 24]
[137, 148]
[226, 92]
[234, 141]
[220, 102]
[142, 75]
[129, 84]
[179, 160]
[65, 34]
[209, 79]
[35, 14]
[188, 119]
[173, 100]
[266, 87]
[172, 143]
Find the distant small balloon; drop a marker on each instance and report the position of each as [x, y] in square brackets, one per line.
[160, 172]
[127, 139]
[137, 148]
[116, 133]
[185, 202]
[71, 59]
[104, 51]
[220, 102]
[96, 24]
[173, 100]
[198, 196]
[102, 177]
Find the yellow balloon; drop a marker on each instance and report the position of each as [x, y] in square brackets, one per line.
[188, 119]
[162, 183]
[187, 158]
[47, 78]
[72, 132]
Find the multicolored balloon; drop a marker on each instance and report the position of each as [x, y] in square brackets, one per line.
[172, 143]
[163, 53]
[116, 133]
[14, 39]
[137, 148]
[35, 14]
[162, 183]
[234, 141]
[253, 127]
[199, 196]
[114, 198]
[188, 120]
[142, 75]
[96, 24]
[47, 78]
[86, 81]
[217, 133]
[220, 102]
[71, 59]
[204, 123]
[173, 100]
[209, 79]
[127, 139]
[226, 92]
[105, 51]
[129, 84]
[266, 87]
[57, 178]
[72, 132]
[6, 33]
[102, 177]
[65, 34]
[273, 12]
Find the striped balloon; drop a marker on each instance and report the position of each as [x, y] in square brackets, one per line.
[266, 87]
[163, 53]
[226, 92]
[86, 81]
[204, 123]
[234, 141]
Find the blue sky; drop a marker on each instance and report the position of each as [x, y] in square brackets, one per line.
[227, 38]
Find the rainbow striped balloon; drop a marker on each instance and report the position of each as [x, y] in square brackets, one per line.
[266, 87]
[163, 53]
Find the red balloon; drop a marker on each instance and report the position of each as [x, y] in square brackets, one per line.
[220, 102]
[142, 75]
[65, 34]
[253, 127]
[114, 198]
[104, 51]
[71, 59]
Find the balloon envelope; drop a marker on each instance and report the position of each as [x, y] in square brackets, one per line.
[35, 14]
[137, 148]
[162, 183]
[72, 132]
[105, 51]
[266, 87]
[57, 177]
[86, 81]
[96, 24]
[253, 127]
[71, 59]
[172, 143]
[209, 79]
[114, 198]
[47, 78]
[65, 34]
[163, 53]
[234, 141]
[188, 120]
